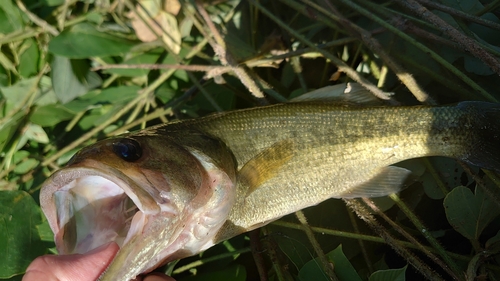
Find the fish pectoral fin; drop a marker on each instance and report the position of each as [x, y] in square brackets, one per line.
[386, 180]
[265, 165]
[352, 93]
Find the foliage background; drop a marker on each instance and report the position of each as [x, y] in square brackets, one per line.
[75, 71]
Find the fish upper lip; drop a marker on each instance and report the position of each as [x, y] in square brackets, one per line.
[118, 188]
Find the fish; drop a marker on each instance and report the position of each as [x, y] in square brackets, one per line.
[174, 190]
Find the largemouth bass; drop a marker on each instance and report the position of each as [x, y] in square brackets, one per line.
[174, 190]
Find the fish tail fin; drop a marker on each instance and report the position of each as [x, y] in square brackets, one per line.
[484, 149]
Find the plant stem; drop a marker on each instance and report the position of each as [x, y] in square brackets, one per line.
[425, 232]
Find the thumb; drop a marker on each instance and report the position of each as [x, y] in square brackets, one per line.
[75, 267]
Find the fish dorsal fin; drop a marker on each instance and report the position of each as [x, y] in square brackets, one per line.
[342, 93]
[385, 181]
[265, 165]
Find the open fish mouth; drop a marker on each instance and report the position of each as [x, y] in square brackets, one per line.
[90, 217]
[88, 207]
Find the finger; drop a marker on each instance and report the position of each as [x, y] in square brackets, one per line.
[75, 267]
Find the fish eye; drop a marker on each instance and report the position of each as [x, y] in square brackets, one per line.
[127, 149]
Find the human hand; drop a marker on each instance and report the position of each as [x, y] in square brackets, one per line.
[79, 267]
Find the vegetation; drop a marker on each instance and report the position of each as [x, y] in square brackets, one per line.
[75, 71]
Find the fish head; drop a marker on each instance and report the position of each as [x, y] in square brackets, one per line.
[158, 197]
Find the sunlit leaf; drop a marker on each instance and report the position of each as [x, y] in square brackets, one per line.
[47, 92]
[83, 41]
[26, 166]
[172, 35]
[72, 78]
[10, 17]
[28, 61]
[50, 115]
[31, 132]
[17, 95]
[45, 232]
[36, 133]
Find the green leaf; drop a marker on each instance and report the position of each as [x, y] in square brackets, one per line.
[110, 102]
[17, 94]
[50, 115]
[53, 2]
[342, 266]
[223, 96]
[10, 17]
[45, 232]
[389, 275]
[28, 60]
[9, 128]
[26, 166]
[233, 273]
[94, 17]
[297, 252]
[19, 216]
[72, 78]
[469, 213]
[448, 171]
[91, 117]
[112, 95]
[287, 78]
[20, 155]
[84, 41]
[36, 133]
[48, 96]
[66, 156]
[468, 6]
[107, 113]
[4, 78]
[32, 132]
[312, 271]
[82, 103]
[493, 244]
[476, 66]
[173, 38]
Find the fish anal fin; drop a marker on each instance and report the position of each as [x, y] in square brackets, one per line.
[265, 165]
[385, 181]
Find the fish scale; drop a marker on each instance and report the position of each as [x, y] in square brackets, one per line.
[336, 147]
